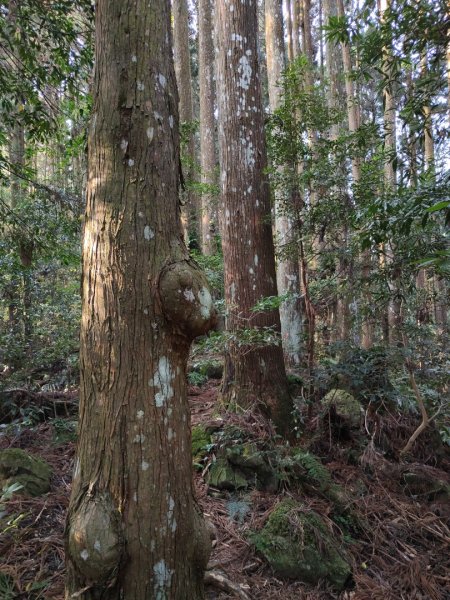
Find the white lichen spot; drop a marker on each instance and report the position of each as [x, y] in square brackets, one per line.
[251, 271]
[134, 58]
[206, 302]
[163, 578]
[84, 554]
[162, 80]
[97, 546]
[140, 86]
[245, 72]
[170, 121]
[256, 260]
[150, 133]
[140, 415]
[145, 466]
[170, 434]
[149, 234]
[189, 295]
[162, 380]
[233, 292]
[145, 311]
[124, 145]
[139, 438]
[130, 162]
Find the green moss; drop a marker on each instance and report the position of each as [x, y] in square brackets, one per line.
[224, 477]
[298, 545]
[346, 404]
[201, 442]
[16, 466]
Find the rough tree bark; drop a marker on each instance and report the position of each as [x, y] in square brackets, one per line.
[133, 530]
[207, 125]
[253, 375]
[287, 266]
[182, 60]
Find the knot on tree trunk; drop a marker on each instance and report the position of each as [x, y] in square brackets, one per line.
[186, 299]
[95, 540]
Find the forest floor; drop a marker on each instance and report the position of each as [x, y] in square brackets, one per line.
[403, 552]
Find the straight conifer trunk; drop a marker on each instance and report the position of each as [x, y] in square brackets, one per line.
[207, 125]
[182, 60]
[133, 530]
[253, 375]
[287, 266]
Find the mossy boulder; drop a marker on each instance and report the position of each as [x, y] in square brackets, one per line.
[210, 369]
[33, 474]
[345, 404]
[426, 482]
[255, 464]
[201, 441]
[298, 545]
[223, 476]
[305, 469]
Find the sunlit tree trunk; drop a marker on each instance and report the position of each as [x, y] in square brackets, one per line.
[182, 60]
[287, 266]
[133, 530]
[254, 375]
[207, 125]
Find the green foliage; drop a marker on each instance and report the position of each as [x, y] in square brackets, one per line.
[7, 588]
[196, 378]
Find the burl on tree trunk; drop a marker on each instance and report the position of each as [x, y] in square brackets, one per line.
[133, 528]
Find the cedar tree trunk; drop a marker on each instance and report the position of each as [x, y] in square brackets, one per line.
[133, 530]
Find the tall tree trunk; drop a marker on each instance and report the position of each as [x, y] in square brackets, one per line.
[439, 284]
[21, 284]
[289, 33]
[287, 266]
[258, 373]
[207, 125]
[295, 11]
[333, 66]
[395, 309]
[133, 530]
[182, 60]
[353, 124]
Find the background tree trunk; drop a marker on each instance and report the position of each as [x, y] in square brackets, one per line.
[257, 374]
[287, 266]
[133, 530]
[207, 125]
[182, 60]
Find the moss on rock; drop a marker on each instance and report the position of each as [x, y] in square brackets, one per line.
[223, 476]
[346, 405]
[33, 474]
[298, 545]
[201, 440]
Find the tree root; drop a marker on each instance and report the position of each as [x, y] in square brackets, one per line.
[217, 579]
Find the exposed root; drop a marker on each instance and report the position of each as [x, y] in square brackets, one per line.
[217, 579]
